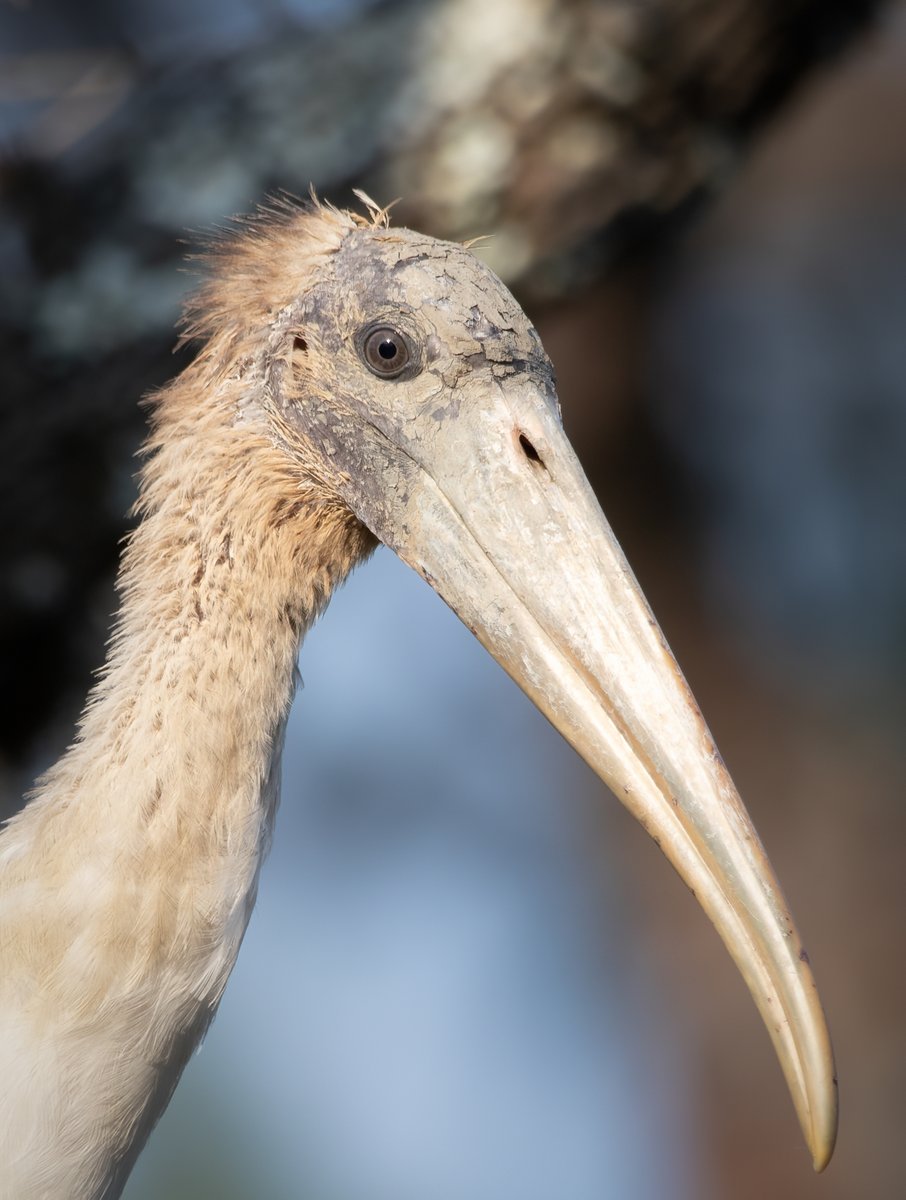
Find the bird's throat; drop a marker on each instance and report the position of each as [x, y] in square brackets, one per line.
[172, 786]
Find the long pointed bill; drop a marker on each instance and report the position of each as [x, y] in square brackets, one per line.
[495, 512]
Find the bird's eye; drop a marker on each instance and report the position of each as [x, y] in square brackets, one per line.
[385, 351]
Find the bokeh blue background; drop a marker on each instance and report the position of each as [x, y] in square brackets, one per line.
[468, 973]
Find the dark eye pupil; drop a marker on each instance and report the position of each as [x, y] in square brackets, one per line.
[385, 350]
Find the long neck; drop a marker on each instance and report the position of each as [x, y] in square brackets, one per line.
[128, 881]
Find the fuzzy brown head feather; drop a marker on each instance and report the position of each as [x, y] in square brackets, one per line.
[260, 263]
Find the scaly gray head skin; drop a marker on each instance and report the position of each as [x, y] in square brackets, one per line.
[440, 430]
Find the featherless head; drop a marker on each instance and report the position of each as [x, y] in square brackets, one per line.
[334, 328]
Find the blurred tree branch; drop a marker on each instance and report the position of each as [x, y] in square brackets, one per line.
[569, 130]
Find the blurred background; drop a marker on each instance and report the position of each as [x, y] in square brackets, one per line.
[469, 973]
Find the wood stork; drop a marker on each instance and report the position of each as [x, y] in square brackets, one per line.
[355, 382]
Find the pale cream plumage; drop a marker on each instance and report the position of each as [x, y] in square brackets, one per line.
[275, 459]
[147, 836]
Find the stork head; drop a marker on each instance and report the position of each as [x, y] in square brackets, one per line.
[403, 377]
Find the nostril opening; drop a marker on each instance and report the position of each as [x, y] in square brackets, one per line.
[299, 344]
[529, 450]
